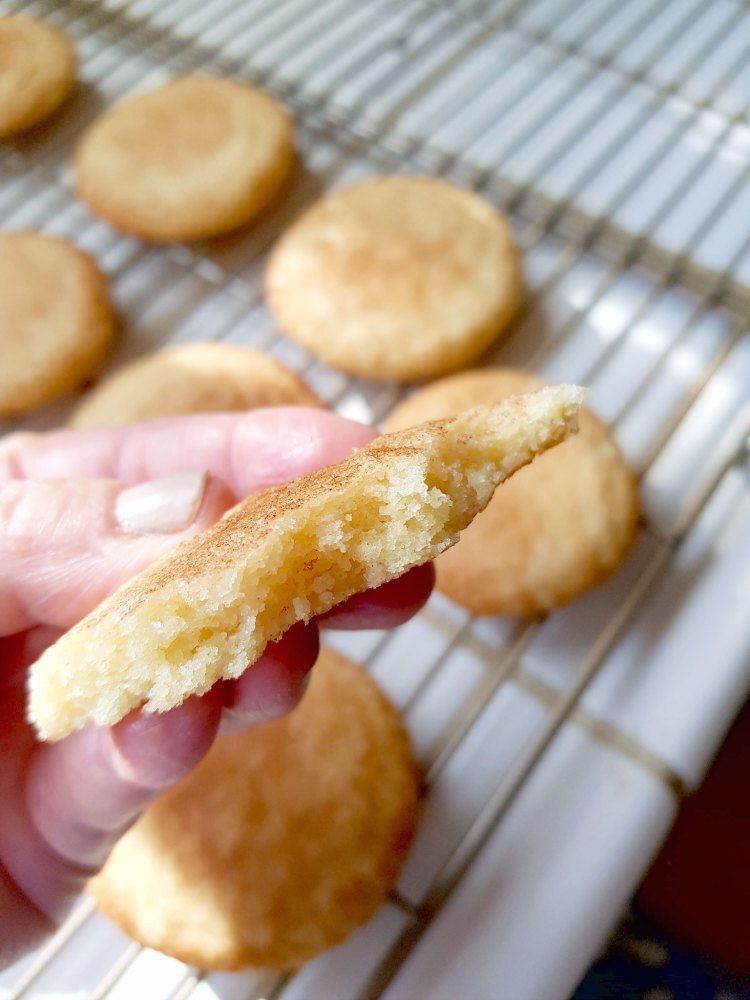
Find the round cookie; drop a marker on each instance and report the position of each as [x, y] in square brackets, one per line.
[56, 323]
[197, 157]
[283, 841]
[191, 378]
[558, 527]
[37, 72]
[397, 277]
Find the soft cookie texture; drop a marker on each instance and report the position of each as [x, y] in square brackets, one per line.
[284, 555]
[192, 159]
[37, 72]
[397, 277]
[284, 840]
[191, 378]
[56, 323]
[558, 527]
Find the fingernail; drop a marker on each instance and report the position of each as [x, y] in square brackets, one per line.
[161, 506]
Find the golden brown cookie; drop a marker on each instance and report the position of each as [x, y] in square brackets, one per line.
[192, 159]
[284, 555]
[37, 72]
[191, 378]
[56, 323]
[397, 277]
[282, 842]
[560, 526]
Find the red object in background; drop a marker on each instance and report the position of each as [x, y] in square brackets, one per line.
[699, 886]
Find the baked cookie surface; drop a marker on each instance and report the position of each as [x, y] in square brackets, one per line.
[197, 157]
[37, 72]
[284, 840]
[286, 554]
[560, 526]
[397, 277]
[191, 378]
[56, 322]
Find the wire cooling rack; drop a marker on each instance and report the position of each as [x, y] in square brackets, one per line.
[615, 135]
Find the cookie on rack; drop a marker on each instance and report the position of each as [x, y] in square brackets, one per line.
[192, 159]
[558, 527]
[397, 277]
[191, 378]
[37, 72]
[283, 841]
[56, 323]
[284, 555]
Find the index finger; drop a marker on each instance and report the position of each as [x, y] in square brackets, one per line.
[249, 451]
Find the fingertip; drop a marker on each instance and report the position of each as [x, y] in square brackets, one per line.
[272, 686]
[154, 750]
[387, 606]
[125, 768]
[282, 442]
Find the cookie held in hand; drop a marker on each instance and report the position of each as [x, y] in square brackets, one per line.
[284, 555]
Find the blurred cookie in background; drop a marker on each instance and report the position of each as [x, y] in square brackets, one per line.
[397, 277]
[559, 526]
[195, 158]
[56, 323]
[284, 840]
[37, 72]
[191, 378]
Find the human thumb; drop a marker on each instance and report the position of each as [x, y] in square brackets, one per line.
[66, 544]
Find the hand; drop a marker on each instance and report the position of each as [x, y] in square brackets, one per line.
[64, 546]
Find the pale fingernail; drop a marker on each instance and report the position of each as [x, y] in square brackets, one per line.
[161, 506]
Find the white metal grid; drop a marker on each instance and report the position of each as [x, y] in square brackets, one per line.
[636, 287]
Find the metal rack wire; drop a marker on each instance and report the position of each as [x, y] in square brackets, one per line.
[422, 86]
